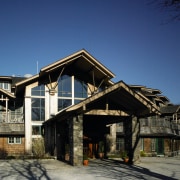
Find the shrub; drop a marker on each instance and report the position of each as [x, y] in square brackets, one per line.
[142, 154]
[38, 148]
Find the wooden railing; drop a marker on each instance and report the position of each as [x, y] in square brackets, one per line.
[11, 117]
[161, 126]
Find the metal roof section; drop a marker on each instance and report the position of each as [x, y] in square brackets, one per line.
[118, 97]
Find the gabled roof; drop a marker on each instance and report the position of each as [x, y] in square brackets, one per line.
[81, 64]
[118, 97]
[83, 60]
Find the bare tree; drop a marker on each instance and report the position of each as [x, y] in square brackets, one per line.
[171, 6]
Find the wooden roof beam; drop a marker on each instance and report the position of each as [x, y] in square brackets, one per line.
[106, 112]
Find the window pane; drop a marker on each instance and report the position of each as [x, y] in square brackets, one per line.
[5, 85]
[120, 144]
[63, 103]
[36, 130]
[38, 91]
[38, 109]
[76, 101]
[18, 140]
[11, 140]
[35, 102]
[64, 86]
[14, 140]
[80, 89]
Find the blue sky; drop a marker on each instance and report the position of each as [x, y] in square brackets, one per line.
[129, 37]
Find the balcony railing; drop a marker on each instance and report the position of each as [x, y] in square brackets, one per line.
[11, 117]
[159, 126]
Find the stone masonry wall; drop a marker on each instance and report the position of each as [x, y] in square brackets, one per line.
[76, 140]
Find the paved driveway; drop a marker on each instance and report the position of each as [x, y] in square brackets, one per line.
[149, 168]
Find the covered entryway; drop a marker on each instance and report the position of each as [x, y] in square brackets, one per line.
[88, 120]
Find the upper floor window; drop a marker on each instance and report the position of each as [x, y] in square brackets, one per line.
[63, 103]
[5, 85]
[65, 86]
[38, 109]
[70, 91]
[80, 89]
[38, 103]
[38, 91]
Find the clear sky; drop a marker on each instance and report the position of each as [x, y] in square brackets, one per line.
[129, 37]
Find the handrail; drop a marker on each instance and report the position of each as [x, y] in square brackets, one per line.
[11, 117]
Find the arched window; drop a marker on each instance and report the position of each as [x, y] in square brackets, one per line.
[65, 86]
[80, 89]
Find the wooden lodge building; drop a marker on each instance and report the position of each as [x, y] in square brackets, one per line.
[73, 106]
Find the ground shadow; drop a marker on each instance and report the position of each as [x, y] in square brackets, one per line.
[32, 170]
[115, 169]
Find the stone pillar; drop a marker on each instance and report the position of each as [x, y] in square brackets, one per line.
[111, 140]
[132, 138]
[76, 140]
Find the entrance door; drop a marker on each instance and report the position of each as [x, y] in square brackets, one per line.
[160, 146]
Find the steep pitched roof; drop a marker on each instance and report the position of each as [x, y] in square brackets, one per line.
[118, 97]
[81, 64]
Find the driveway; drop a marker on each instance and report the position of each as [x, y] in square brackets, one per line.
[149, 168]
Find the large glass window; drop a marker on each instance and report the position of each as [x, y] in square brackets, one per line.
[64, 86]
[38, 109]
[63, 103]
[70, 91]
[38, 91]
[80, 89]
[38, 103]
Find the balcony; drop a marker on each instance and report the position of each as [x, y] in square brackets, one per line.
[11, 117]
[11, 123]
[159, 127]
[176, 127]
